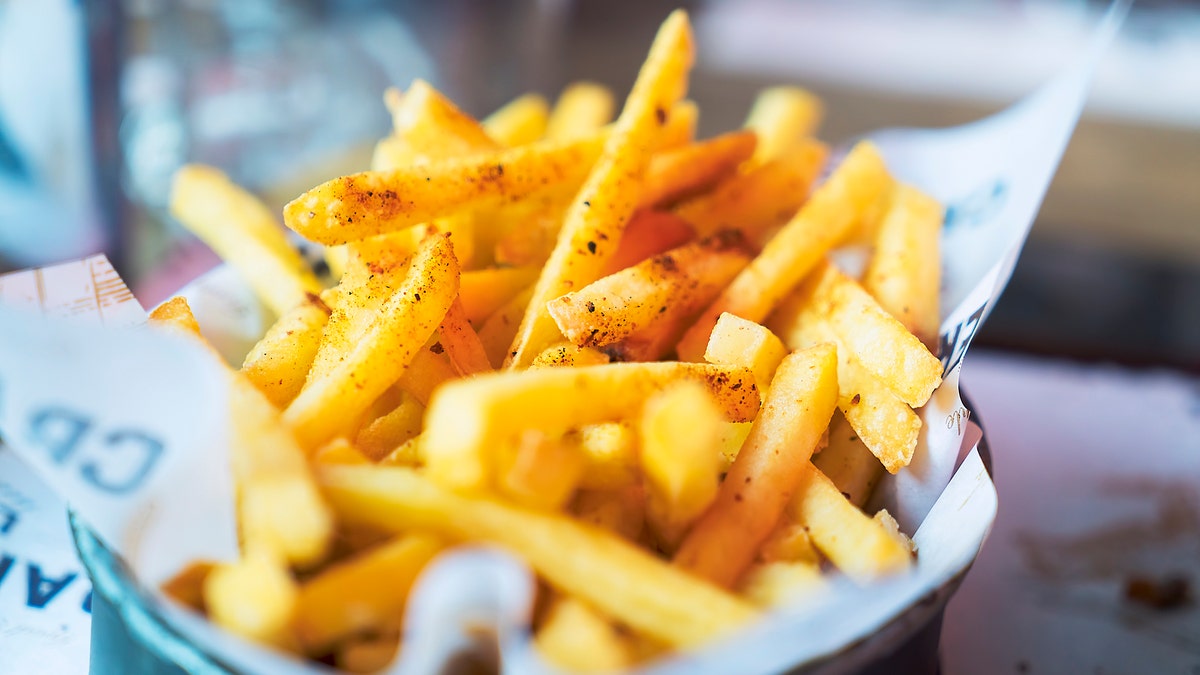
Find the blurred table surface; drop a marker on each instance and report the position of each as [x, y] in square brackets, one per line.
[1098, 474]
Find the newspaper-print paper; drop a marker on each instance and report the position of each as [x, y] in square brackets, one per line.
[991, 174]
[126, 425]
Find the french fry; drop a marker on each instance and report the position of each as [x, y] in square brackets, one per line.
[498, 331]
[756, 201]
[680, 459]
[658, 289]
[368, 654]
[410, 453]
[538, 470]
[648, 234]
[802, 243]
[736, 341]
[281, 512]
[254, 597]
[621, 511]
[726, 539]
[849, 463]
[429, 369]
[566, 354]
[484, 291]
[676, 174]
[429, 124]
[279, 363]
[615, 577]
[610, 455]
[405, 321]
[733, 436]
[465, 415]
[462, 343]
[581, 109]
[575, 637]
[857, 545]
[890, 525]
[780, 584]
[782, 117]
[244, 233]
[339, 451]
[904, 273]
[885, 424]
[187, 586]
[375, 202]
[879, 342]
[680, 127]
[529, 230]
[383, 434]
[597, 216]
[362, 593]
[789, 542]
[520, 121]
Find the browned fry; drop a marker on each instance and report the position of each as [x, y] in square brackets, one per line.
[462, 342]
[375, 202]
[822, 223]
[692, 169]
[566, 354]
[649, 233]
[279, 363]
[178, 313]
[658, 289]
[758, 200]
[726, 539]
[597, 216]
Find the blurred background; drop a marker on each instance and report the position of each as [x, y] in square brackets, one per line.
[100, 101]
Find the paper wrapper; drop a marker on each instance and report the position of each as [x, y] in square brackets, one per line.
[129, 426]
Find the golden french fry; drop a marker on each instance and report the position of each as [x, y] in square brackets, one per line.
[781, 584]
[879, 342]
[383, 434]
[688, 170]
[461, 342]
[802, 243]
[890, 525]
[648, 234]
[538, 471]
[904, 274]
[754, 202]
[520, 121]
[680, 127]
[254, 597]
[410, 453]
[429, 124]
[279, 363]
[610, 455]
[566, 354]
[789, 542]
[782, 117]
[362, 593]
[484, 291]
[596, 218]
[368, 653]
[375, 202]
[849, 463]
[885, 424]
[621, 511]
[733, 437]
[736, 341]
[465, 416]
[726, 539]
[857, 545]
[655, 290]
[498, 331]
[405, 322]
[430, 368]
[680, 459]
[244, 233]
[339, 451]
[612, 575]
[281, 512]
[577, 638]
[581, 109]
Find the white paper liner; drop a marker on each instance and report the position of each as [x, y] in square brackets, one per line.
[137, 389]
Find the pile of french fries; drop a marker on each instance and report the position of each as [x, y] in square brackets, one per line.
[617, 351]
